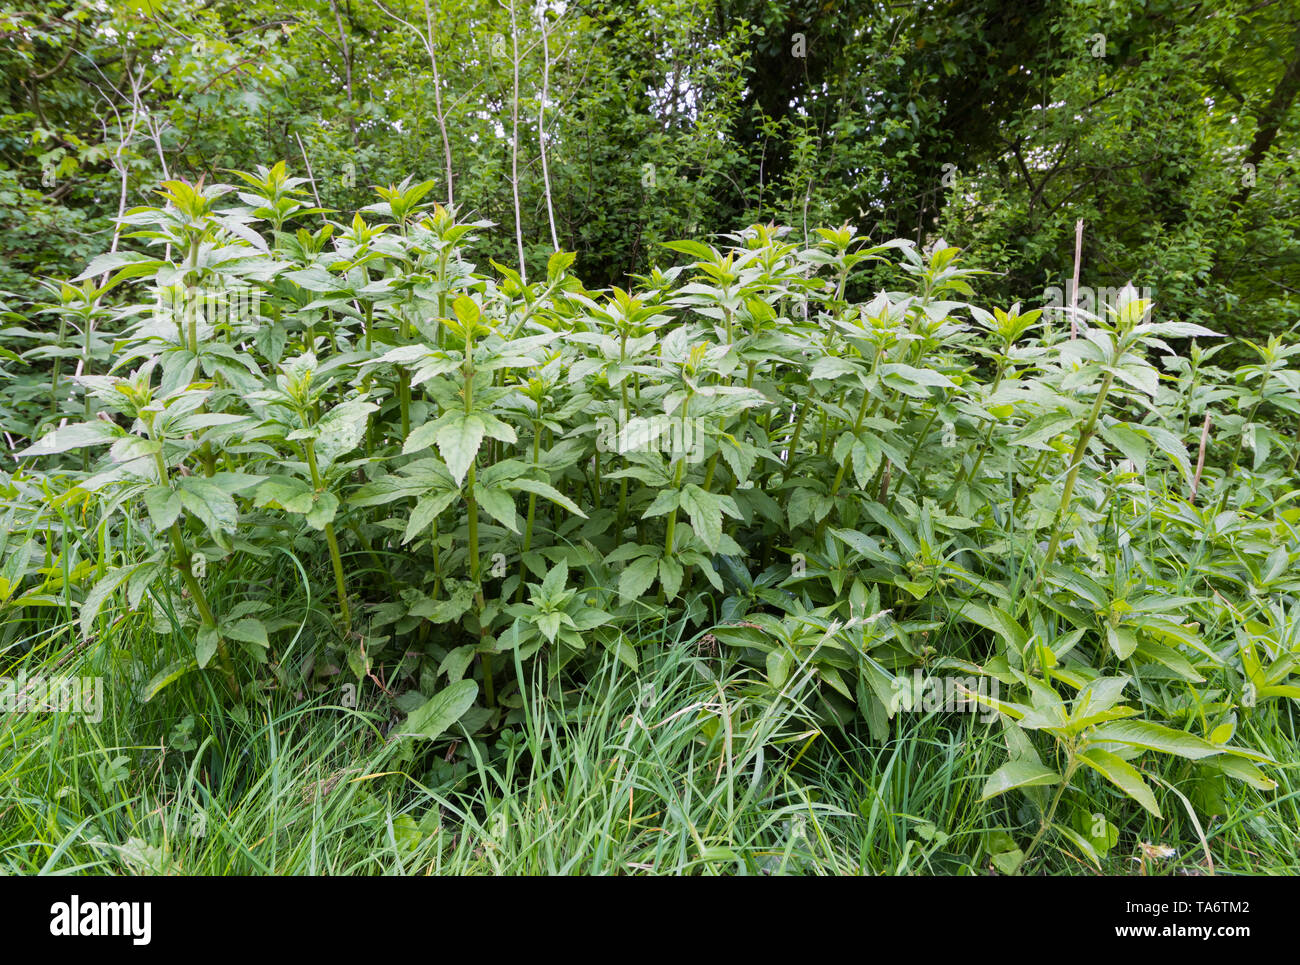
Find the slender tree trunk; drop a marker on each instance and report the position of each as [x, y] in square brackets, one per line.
[1074, 292]
[541, 128]
[439, 116]
[514, 141]
[346, 49]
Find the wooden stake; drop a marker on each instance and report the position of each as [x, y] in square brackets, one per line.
[1200, 458]
[1074, 291]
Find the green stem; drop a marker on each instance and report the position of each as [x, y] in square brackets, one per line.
[1071, 764]
[1076, 460]
[671, 528]
[404, 379]
[471, 507]
[58, 364]
[1033, 474]
[331, 540]
[844, 466]
[185, 563]
[532, 511]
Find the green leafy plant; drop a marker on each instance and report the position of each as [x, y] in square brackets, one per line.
[481, 472]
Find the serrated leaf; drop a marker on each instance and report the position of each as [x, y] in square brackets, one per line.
[322, 511]
[458, 442]
[211, 504]
[670, 577]
[705, 513]
[98, 594]
[498, 504]
[164, 505]
[637, 577]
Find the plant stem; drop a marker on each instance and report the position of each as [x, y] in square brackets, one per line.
[532, 511]
[184, 562]
[1076, 461]
[331, 540]
[844, 466]
[1071, 764]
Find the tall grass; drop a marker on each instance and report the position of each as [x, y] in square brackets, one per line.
[683, 769]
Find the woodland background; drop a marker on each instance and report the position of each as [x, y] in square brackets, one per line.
[1169, 127]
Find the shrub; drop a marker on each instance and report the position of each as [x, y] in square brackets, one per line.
[481, 473]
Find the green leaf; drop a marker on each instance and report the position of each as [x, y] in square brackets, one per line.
[164, 505]
[670, 577]
[1008, 862]
[211, 504]
[466, 309]
[422, 437]
[695, 249]
[558, 263]
[547, 491]
[996, 619]
[289, 493]
[458, 442]
[706, 515]
[1122, 640]
[637, 577]
[621, 649]
[557, 577]
[665, 501]
[98, 594]
[1128, 441]
[549, 624]
[778, 667]
[1122, 774]
[1241, 770]
[426, 511]
[205, 645]
[1157, 737]
[165, 677]
[1177, 330]
[430, 721]
[247, 630]
[1014, 774]
[73, 437]
[341, 429]
[499, 505]
[322, 511]
[457, 662]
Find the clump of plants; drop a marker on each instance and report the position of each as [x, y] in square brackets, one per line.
[325, 453]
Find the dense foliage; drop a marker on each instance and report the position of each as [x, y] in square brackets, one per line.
[308, 451]
[1168, 127]
[471, 497]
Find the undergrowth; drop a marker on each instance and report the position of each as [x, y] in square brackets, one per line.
[399, 544]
